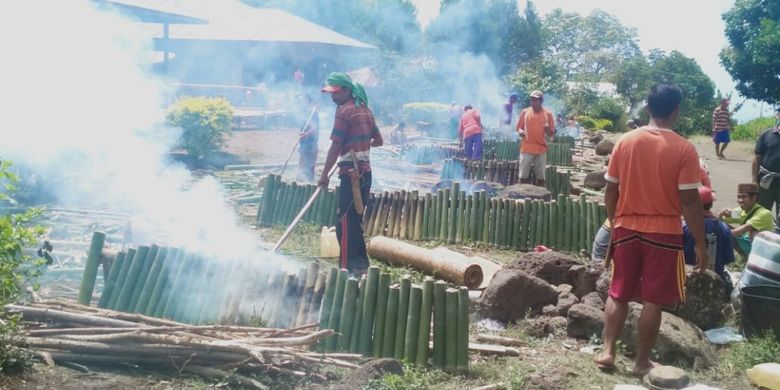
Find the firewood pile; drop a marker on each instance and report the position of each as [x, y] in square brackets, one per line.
[62, 332]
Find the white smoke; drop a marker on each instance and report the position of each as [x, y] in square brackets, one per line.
[80, 106]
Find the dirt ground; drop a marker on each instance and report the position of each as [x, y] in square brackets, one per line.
[726, 174]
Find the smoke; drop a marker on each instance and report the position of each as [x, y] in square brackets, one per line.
[83, 111]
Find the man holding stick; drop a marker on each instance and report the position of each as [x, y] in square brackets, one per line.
[354, 133]
[652, 179]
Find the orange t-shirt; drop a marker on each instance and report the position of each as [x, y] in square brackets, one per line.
[651, 166]
[533, 124]
[470, 123]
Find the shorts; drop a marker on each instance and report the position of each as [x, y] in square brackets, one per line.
[648, 266]
[721, 136]
[539, 162]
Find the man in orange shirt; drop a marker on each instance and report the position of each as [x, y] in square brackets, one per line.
[652, 179]
[470, 133]
[533, 126]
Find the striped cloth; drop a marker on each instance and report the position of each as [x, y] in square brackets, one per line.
[721, 119]
[763, 265]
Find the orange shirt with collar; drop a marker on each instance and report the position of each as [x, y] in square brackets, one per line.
[535, 141]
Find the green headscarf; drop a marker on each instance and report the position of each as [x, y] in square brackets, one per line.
[343, 80]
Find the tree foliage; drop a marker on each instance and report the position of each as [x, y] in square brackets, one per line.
[204, 122]
[753, 32]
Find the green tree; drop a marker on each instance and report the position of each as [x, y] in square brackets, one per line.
[753, 32]
[632, 79]
[526, 39]
[542, 74]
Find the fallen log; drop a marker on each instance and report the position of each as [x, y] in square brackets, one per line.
[454, 269]
[41, 314]
[506, 341]
[493, 350]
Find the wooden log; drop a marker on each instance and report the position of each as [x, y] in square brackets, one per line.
[412, 324]
[45, 315]
[493, 350]
[451, 328]
[424, 331]
[500, 340]
[462, 358]
[456, 269]
[91, 267]
[380, 322]
[391, 320]
[369, 308]
[403, 309]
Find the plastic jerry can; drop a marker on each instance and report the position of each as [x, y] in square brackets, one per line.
[329, 245]
[765, 375]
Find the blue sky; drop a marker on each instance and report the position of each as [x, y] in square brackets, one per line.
[692, 27]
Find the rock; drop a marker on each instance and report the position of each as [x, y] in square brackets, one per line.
[525, 191]
[593, 299]
[595, 180]
[550, 265]
[705, 299]
[584, 321]
[668, 377]
[604, 147]
[596, 138]
[585, 278]
[564, 288]
[375, 369]
[678, 340]
[565, 301]
[602, 284]
[542, 326]
[550, 311]
[513, 293]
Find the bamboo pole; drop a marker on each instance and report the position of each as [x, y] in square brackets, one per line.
[445, 213]
[312, 273]
[147, 287]
[347, 314]
[426, 217]
[526, 222]
[462, 358]
[381, 314]
[91, 267]
[165, 308]
[121, 278]
[532, 223]
[132, 277]
[369, 307]
[403, 310]
[418, 219]
[451, 328]
[424, 332]
[391, 320]
[391, 215]
[439, 322]
[316, 301]
[105, 296]
[517, 224]
[354, 341]
[412, 324]
[459, 217]
[335, 314]
[453, 217]
[143, 273]
[327, 298]
[173, 257]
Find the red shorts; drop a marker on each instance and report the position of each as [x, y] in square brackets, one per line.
[649, 266]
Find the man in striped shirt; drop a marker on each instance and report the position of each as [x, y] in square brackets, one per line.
[721, 125]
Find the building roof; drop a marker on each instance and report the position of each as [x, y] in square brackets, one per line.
[232, 20]
[154, 11]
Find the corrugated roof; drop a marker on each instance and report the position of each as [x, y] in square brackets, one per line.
[230, 20]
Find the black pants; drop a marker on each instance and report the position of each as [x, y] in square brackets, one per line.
[353, 254]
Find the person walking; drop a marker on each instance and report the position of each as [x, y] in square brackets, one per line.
[534, 125]
[308, 141]
[766, 166]
[470, 133]
[354, 134]
[652, 178]
[721, 125]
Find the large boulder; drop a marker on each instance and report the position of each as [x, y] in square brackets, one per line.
[549, 265]
[678, 340]
[705, 299]
[604, 147]
[375, 369]
[595, 180]
[585, 277]
[512, 293]
[602, 284]
[526, 191]
[593, 299]
[584, 321]
[596, 138]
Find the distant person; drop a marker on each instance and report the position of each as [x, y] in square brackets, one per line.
[308, 141]
[572, 128]
[398, 134]
[470, 133]
[534, 125]
[717, 231]
[299, 76]
[509, 106]
[652, 179]
[766, 166]
[456, 112]
[721, 126]
[752, 218]
[354, 134]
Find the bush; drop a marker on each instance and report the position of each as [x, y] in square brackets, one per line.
[16, 233]
[604, 124]
[586, 122]
[750, 130]
[430, 112]
[203, 120]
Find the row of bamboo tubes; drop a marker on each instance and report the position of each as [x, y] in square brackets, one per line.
[504, 172]
[282, 201]
[559, 154]
[430, 154]
[374, 318]
[453, 216]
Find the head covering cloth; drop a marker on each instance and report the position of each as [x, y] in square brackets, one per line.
[338, 79]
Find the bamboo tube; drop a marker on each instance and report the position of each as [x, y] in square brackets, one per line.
[172, 257]
[327, 298]
[281, 204]
[462, 351]
[424, 332]
[143, 273]
[312, 274]
[407, 210]
[132, 277]
[391, 215]
[533, 210]
[591, 219]
[445, 213]
[419, 209]
[184, 294]
[121, 278]
[113, 275]
[400, 325]
[165, 308]
[314, 211]
[439, 322]
[391, 319]
[335, 314]
[567, 225]
[468, 219]
[491, 221]
[369, 307]
[91, 267]
[265, 202]
[316, 299]
[147, 287]
[451, 328]
[381, 314]
[459, 217]
[517, 224]
[399, 214]
[435, 235]
[379, 223]
[426, 216]
[498, 226]
[525, 223]
[546, 224]
[354, 341]
[576, 226]
[412, 324]
[453, 217]
[561, 221]
[347, 314]
[480, 217]
[509, 227]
